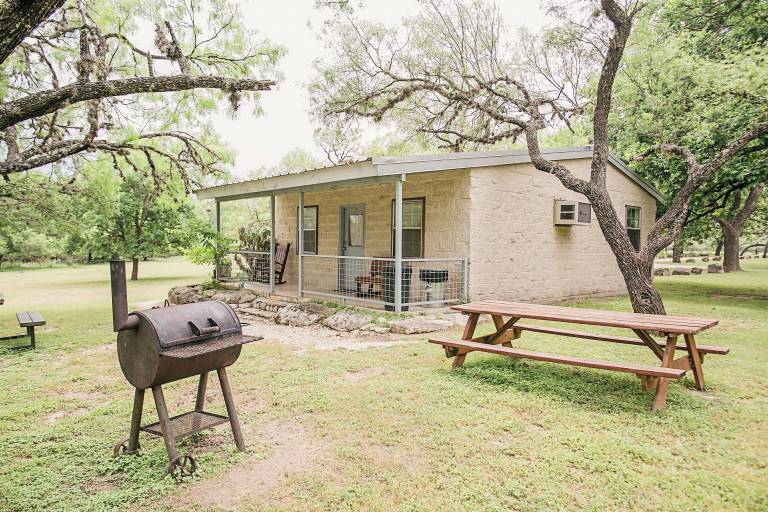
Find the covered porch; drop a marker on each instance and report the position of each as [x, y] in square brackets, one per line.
[381, 240]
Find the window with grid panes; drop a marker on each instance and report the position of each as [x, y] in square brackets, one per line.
[633, 226]
[413, 228]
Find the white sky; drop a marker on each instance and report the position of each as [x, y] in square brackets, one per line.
[294, 24]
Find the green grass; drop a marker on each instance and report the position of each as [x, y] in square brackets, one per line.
[499, 434]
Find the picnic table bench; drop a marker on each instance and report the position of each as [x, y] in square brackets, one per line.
[506, 315]
[29, 320]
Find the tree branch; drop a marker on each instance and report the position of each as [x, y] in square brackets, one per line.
[45, 102]
[18, 18]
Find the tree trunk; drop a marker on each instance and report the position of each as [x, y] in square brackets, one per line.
[732, 223]
[135, 268]
[731, 251]
[637, 272]
[677, 252]
[765, 250]
[719, 248]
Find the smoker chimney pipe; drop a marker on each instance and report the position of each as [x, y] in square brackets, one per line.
[121, 321]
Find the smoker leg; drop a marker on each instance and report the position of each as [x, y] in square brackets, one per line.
[138, 407]
[201, 387]
[231, 412]
[165, 423]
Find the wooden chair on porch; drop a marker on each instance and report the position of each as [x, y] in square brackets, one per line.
[281, 258]
[374, 279]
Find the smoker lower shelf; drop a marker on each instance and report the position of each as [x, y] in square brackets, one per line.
[187, 424]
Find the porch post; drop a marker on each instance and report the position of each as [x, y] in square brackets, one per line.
[399, 243]
[272, 243]
[218, 232]
[301, 243]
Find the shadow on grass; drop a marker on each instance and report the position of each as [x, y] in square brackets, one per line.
[606, 392]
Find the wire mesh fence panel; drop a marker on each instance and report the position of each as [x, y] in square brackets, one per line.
[372, 279]
[244, 267]
[435, 281]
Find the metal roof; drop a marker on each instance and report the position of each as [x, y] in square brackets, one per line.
[380, 169]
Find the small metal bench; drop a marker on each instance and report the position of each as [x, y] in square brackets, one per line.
[29, 320]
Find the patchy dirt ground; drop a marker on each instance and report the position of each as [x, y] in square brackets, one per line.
[292, 449]
[321, 338]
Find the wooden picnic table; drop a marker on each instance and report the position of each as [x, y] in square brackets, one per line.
[506, 315]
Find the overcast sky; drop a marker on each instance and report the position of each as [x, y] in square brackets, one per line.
[294, 24]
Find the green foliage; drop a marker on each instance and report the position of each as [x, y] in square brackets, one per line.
[673, 88]
[209, 247]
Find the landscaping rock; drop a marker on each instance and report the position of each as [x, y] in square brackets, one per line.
[378, 329]
[697, 270]
[270, 305]
[704, 259]
[301, 315]
[690, 260]
[235, 296]
[185, 294]
[681, 272]
[259, 313]
[419, 325]
[345, 321]
[714, 268]
[455, 318]
[662, 272]
[717, 258]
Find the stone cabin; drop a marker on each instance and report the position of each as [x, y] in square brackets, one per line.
[475, 225]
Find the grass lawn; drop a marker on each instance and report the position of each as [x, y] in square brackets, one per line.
[388, 429]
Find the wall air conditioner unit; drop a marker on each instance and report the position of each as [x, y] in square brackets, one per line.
[572, 213]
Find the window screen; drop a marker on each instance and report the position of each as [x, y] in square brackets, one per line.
[310, 230]
[633, 226]
[413, 228]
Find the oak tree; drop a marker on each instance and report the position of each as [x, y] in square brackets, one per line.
[452, 73]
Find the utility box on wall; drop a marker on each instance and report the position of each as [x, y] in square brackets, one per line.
[572, 213]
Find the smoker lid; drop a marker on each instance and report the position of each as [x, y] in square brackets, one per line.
[186, 323]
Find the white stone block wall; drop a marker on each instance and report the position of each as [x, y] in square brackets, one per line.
[516, 251]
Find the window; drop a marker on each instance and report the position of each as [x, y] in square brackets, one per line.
[633, 226]
[310, 230]
[413, 228]
[354, 237]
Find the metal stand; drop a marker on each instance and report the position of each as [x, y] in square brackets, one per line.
[173, 428]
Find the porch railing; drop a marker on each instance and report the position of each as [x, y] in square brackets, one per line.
[425, 281]
[244, 266]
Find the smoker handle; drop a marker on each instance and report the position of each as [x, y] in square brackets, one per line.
[212, 329]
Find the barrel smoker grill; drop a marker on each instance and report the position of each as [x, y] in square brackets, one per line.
[163, 345]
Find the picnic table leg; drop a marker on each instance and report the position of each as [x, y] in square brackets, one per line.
[661, 388]
[498, 321]
[31, 334]
[693, 352]
[469, 331]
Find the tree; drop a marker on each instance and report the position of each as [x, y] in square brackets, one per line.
[450, 73]
[137, 220]
[34, 221]
[676, 85]
[81, 82]
[732, 222]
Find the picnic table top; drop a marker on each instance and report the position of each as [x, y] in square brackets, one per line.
[661, 323]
